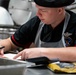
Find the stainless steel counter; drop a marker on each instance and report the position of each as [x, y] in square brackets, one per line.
[41, 71]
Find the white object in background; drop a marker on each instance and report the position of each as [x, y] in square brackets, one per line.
[72, 7]
[20, 10]
[5, 18]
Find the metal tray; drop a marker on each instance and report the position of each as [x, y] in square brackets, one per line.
[11, 67]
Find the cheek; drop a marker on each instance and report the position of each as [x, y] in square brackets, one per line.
[50, 18]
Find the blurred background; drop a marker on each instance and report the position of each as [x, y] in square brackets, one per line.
[17, 13]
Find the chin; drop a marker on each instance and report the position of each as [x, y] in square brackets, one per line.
[46, 23]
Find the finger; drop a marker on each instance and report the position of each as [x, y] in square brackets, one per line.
[2, 52]
[18, 55]
[24, 55]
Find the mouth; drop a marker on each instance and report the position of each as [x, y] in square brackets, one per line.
[42, 19]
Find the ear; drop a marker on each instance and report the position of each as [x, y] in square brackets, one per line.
[60, 10]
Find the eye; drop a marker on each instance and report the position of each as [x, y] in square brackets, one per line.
[44, 10]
